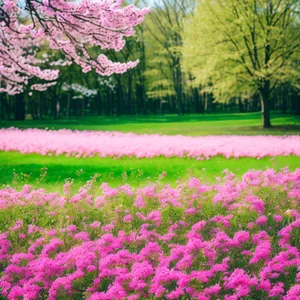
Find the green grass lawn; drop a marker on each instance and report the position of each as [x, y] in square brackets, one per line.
[17, 169]
[202, 124]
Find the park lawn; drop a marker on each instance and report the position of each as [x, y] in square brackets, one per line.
[201, 124]
[51, 172]
[28, 168]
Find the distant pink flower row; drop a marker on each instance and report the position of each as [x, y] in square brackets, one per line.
[117, 144]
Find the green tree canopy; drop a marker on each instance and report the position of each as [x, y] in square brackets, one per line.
[243, 47]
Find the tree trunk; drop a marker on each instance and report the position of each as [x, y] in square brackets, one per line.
[68, 105]
[284, 105]
[178, 88]
[206, 102]
[7, 107]
[40, 106]
[57, 110]
[241, 106]
[129, 94]
[32, 105]
[110, 103]
[98, 103]
[82, 107]
[265, 104]
[53, 107]
[196, 98]
[296, 104]
[119, 96]
[140, 103]
[19, 107]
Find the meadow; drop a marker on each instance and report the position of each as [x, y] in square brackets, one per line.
[120, 215]
[149, 150]
[28, 168]
[235, 239]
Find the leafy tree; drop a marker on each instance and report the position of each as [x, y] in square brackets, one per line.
[243, 48]
[159, 81]
[167, 18]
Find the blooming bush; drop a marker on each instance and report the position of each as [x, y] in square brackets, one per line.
[235, 239]
[117, 144]
[73, 27]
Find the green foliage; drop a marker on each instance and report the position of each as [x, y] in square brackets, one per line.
[233, 47]
[228, 48]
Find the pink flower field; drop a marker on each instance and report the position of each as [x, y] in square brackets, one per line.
[235, 239]
[116, 144]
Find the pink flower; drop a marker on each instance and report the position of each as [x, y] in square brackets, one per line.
[277, 290]
[277, 218]
[293, 293]
[112, 144]
[262, 252]
[241, 237]
[160, 255]
[213, 290]
[18, 224]
[190, 211]
[95, 225]
[250, 225]
[51, 232]
[108, 227]
[82, 236]
[71, 228]
[262, 220]
[128, 218]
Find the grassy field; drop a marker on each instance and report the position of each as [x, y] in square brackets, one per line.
[204, 124]
[51, 172]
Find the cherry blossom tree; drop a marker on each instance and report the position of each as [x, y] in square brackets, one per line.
[71, 27]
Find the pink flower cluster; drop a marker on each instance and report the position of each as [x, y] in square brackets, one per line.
[18, 62]
[117, 144]
[231, 240]
[72, 27]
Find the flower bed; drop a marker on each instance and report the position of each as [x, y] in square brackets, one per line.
[117, 144]
[232, 240]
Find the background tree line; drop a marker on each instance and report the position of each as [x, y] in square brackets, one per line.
[196, 56]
